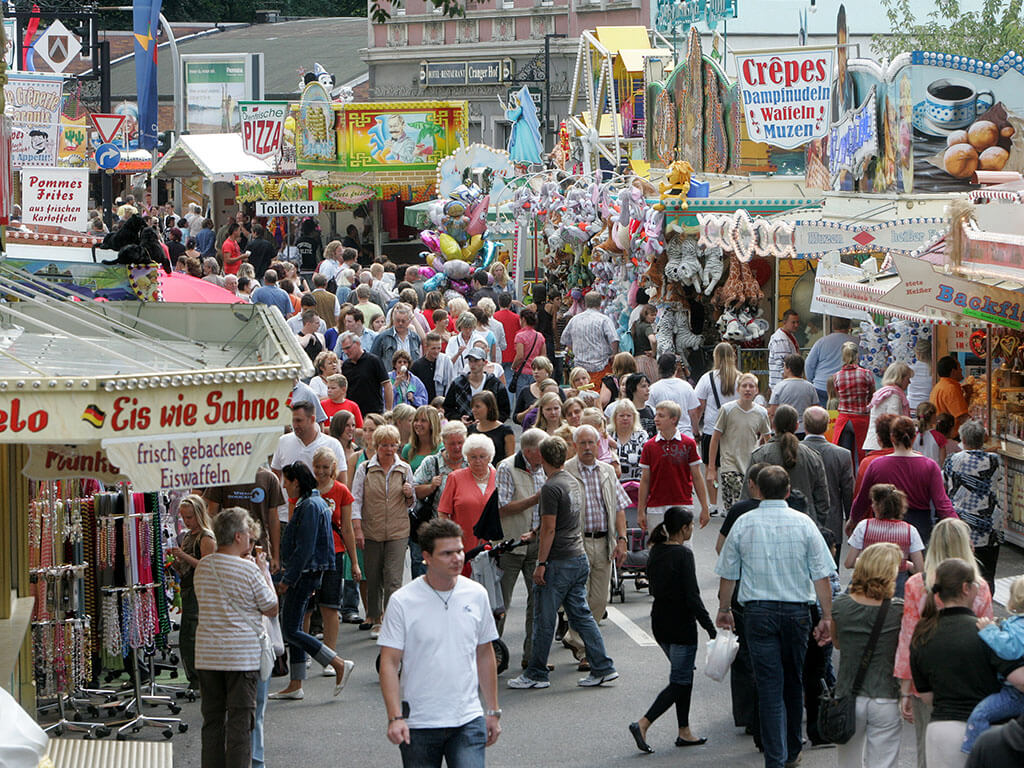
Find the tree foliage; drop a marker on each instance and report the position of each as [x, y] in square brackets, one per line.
[987, 33]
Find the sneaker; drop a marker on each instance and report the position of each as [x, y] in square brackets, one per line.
[328, 671]
[592, 680]
[352, 618]
[795, 761]
[527, 682]
[375, 631]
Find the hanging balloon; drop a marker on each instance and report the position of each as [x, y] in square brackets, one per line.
[430, 239]
[478, 217]
[470, 249]
[491, 250]
[449, 248]
[426, 272]
[435, 212]
[461, 286]
[457, 270]
[435, 282]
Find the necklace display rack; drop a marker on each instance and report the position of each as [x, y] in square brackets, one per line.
[62, 629]
[109, 612]
[141, 618]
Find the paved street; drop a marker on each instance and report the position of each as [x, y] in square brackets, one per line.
[563, 726]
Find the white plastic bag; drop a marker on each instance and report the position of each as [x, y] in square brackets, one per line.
[22, 742]
[721, 652]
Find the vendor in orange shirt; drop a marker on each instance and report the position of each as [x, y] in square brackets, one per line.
[947, 395]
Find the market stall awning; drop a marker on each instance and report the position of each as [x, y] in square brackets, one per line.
[633, 60]
[920, 292]
[216, 156]
[617, 38]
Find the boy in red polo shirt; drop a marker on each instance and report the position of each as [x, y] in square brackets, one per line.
[336, 400]
[671, 470]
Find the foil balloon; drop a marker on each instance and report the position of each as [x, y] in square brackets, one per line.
[491, 250]
[430, 239]
[461, 286]
[449, 247]
[426, 272]
[478, 217]
[457, 270]
[435, 282]
[470, 249]
[435, 212]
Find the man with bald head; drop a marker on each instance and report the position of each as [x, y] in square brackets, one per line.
[838, 469]
[604, 525]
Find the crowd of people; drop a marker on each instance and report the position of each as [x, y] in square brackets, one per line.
[429, 414]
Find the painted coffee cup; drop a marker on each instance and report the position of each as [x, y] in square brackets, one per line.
[955, 103]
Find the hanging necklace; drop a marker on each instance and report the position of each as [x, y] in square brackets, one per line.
[440, 597]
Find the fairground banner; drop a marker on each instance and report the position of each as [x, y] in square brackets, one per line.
[787, 94]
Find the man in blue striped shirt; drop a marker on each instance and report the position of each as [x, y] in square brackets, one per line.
[785, 564]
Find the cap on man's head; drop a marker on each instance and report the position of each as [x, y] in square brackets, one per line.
[476, 353]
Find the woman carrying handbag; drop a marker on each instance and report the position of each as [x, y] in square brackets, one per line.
[866, 627]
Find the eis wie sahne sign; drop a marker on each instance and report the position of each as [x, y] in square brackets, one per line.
[787, 94]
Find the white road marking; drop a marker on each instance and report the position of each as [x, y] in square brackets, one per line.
[627, 625]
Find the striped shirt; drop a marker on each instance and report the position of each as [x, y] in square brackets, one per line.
[226, 638]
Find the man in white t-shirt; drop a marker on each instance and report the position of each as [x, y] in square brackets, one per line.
[670, 387]
[438, 628]
[301, 443]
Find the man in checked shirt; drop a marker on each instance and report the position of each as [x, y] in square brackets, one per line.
[518, 481]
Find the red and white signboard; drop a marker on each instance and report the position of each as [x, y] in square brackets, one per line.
[262, 127]
[56, 197]
[107, 126]
[787, 94]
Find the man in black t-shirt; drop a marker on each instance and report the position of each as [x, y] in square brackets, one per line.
[369, 386]
[261, 250]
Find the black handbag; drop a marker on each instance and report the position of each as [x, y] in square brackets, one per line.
[421, 512]
[837, 715]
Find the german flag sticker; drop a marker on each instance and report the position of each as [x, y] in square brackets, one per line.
[94, 416]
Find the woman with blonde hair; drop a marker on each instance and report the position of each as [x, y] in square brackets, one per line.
[425, 438]
[623, 364]
[951, 537]
[714, 389]
[371, 422]
[500, 280]
[196, 543]
[855, 387]
[401, 416]
[582, 387]
[549, 413]
[326, 364]
[891, 398]
[876, 741]
[630, 436]
[383, 493]
[527, 396]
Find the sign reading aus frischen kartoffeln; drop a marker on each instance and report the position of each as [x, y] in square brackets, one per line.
[787, 94]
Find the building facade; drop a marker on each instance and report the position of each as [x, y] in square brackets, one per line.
[498, 47]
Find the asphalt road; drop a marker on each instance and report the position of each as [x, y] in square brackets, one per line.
[564, 725]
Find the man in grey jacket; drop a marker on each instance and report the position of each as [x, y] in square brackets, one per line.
[838, 469]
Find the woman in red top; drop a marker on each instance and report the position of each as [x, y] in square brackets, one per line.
[854, 389]
[917, 476]
[339, 501]
[230, 252]
[466, 493]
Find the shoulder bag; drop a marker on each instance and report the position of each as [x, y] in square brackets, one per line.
[423, 509]
[837, 715]
[515, 376]
[267, 655]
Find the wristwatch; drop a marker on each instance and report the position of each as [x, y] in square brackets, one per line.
[543, 565]
[493, 713]
[622, 538]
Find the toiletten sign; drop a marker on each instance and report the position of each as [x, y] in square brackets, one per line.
[787, 94]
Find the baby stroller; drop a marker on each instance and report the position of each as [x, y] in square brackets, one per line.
[483, 562]
[635, 565]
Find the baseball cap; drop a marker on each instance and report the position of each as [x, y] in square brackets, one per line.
[475, 352]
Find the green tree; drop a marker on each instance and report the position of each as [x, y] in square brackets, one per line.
[984, 34]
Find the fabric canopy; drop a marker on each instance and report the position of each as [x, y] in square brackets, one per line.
[217, 156]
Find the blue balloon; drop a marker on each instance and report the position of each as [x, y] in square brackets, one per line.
[437, 281]
[491, 249]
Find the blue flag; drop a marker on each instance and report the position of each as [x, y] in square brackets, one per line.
[145, 24]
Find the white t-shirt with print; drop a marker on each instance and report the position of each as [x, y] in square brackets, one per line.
[438, 644]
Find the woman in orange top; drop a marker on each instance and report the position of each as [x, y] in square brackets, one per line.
[467, 490]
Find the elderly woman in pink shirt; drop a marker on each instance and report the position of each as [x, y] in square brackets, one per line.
[467, 490]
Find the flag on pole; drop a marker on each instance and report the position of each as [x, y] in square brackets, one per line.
[145, 24]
